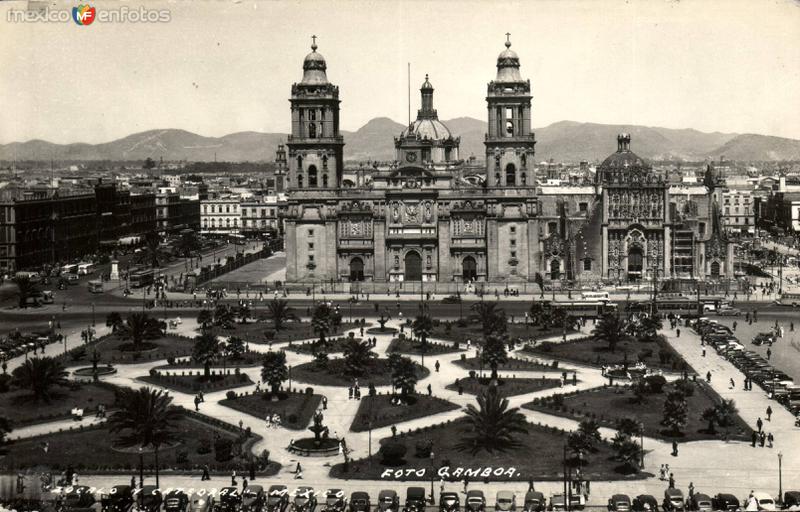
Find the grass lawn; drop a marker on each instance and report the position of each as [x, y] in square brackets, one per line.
[247, 359]
[115, 350]
[295, 409]
[91, 449]
[432, 348]
[611, 403]
[507, 387]
[472, 331]
[335, 374]
[655, 354]
[540, 457]
[474, 363]
[255, 332]
[18, 405]
[195, 381]
[333, 345]
[380, 409]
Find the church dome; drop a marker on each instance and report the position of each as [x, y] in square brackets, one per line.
[314, 67]
[431, 129]
[624, 158]
[508, 64]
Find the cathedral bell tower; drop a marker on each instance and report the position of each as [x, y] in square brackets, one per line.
[510, 142]
[315, 158]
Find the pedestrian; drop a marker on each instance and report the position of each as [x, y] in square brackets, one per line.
[769, 413]
[674, 448]
[437, 366]
[762, 439]
[298, 472]
[734, 325]
[733, 385]
[704, 352]
[196, 403]
[759, 424]
[324, 403]
[466, 484]
[530, 481]
[691, 489]
[708, 376]
[662, 473]
[133, 482]
[770, 439]
[769, 353]
[753, 439]
[430, 390]
[244, 484]
[671, 481]
[394, 431]
[233, 479]
[677, 333]
[205, 476]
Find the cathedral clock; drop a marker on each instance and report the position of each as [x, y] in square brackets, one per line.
[411, 157]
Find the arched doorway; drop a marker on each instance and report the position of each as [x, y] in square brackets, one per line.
[635, 263]
[312, 176]
[511, 175]
[356, 269]
[413, 266]
[555, 270]
[469, 270]
[715, 269]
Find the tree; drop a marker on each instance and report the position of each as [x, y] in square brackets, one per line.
[206, 349]
[610, 329]
[148, 164]
[322, 322]
[146, 418]
[152, 254]
[223, 316]
[279, 311]
[5, 428]
[357, 355]
[114, 320]
[491, 318]
[650, 325]
[537, 313]
[539, 280]
[585, 438]
[205, 318]
[630, 427]
[188, 244]
[40, 375]
[627, 450]
[274, 370]
[404, 375]
[244, 313]
[25, 289]
[494, 353]
[422, 328]
[236, 347]
[492, 425]
[675, 412]
[721, 414]
[139, 327]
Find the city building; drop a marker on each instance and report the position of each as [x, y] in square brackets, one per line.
[260, 216]
[738, 210]
[220, 215]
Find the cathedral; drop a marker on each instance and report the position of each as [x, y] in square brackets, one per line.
[431, 218]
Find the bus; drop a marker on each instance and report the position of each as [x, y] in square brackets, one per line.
[84, 269]
[595, 296]
[141, 278]
[789, 299]
[71, 268]
[583, 308]
[95, 286]
[682, 306]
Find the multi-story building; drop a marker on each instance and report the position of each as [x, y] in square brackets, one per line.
[259, 216]
[430, 217]
[143, 213]
[738, 211]
[220, 216]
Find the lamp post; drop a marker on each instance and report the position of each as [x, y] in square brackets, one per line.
[641, 444]
[93, 318]
[290, 378]
[780, 477]
[141, 468]
[433, 500]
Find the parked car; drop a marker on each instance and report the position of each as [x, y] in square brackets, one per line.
[277, 498]
[506, 501]
[79, 498]
[791, 500]
[476, 501]
[764, 501]
[119, 499]
[673, 501]
[700, 503]
[304, 499]
[253, 499]
[645, 503]
[359, 502]
[388, 501]
[558, 502]
[619, 503]
[201, 502]
[534, 502]
[415, 499]
[728, 311]
[176, 501]
[149, 499]
[725, 502]
[449, 502]
[229, 500]
[334, 501]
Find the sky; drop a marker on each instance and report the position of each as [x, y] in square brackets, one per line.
[218, 67]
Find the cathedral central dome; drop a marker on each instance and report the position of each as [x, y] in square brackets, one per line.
[431, 129]
[314, 67]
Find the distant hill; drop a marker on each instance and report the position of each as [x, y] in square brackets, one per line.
[562, 141]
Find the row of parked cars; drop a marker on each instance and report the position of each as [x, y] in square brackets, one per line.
[674, 501]
[779, 385]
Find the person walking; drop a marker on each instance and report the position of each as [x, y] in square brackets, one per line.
[759, 424]
[437, 365]
[677, 333]
[298, 472]
[233, 479]
[769, 353]
[674, 448]
[769, 413]
[762, 439]
[691, 489]
[753, 438]
[671, 481]
[205, 475]
[708, 376]
[244, 484]
[770, 439]
[466, 484]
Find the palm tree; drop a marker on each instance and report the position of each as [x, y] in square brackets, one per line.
[236, 347]
[630, 427]
[322, 322]
[494, 354]
[223, 316]
[145, 418]
[274, 370]
[207, 348]
[279, 311]
[244, 313]
[139, 327]
[39, 375]
[627, 450]
[114, 320]
[492, 425]
[491, 318]
[188, 244]
[422, 328]
[675, 412]
[650, 326]
[357, 355]
[721, 414]
[610, 329]
[205, 318]
[404, 375]
[25, 289]
[152, 254]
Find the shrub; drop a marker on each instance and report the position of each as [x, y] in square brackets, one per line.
[655, 383]
[5, 383]
[472, 374]
[546, 346]
[182, 457]
[223, 449]
[309, 391]
[237, 371]
[685, 387]
[645, 354]
[230, 395]
[393, 454]
[153, 372]
[269, 334]
[292, 418]
[171, 361]
[204, 446]
[423, 449]
[461, 322]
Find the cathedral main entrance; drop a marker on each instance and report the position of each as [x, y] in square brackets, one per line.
[635, 264]
[469, 269]
[413, 266]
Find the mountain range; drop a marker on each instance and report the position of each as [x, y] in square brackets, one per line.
[567, 141]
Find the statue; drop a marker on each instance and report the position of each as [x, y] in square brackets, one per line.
[318, 428]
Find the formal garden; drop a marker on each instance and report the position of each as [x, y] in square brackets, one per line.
[383, 410]
[506, 386]
[294, 408]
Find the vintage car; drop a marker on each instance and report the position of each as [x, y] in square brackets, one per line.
[534, 502]
[118, 499]
[475, 502]
[415, 500]
[791, 500]
[505, 501]
[645, 503]
[229, 500]
[388, 501]
[176, 501]
[79, 498]
[724, 502]
[334, 501]
[304, 499]
[253, 499]
[449, 502]
[764, 501]
[619, 503]
[558, 502]
[149, 499]
[201, 502]
[726, 310]
[277, 498]
[700, 502]
[673, 501]
[359, 502]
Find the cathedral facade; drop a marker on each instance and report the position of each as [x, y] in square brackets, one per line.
[430, 218]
